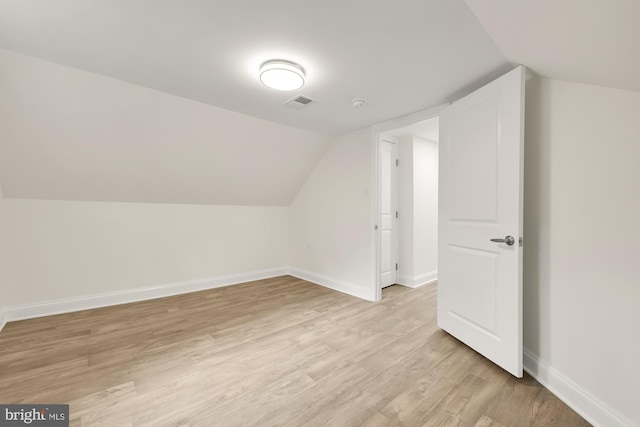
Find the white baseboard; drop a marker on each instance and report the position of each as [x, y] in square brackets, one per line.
[124, 297]
[49, 308]
[586, 405]
[417, 281]
[335, 284]
[3, 319]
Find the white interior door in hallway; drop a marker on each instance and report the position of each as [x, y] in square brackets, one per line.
[388, 220]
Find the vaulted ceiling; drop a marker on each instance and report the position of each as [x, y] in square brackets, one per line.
[401, 56]
[594, 42]
[159, 101]
[68, 134]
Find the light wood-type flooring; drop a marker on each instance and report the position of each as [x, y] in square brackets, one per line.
[276, 352]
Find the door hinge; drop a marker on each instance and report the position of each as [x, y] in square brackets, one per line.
[396, 266]
[396, 214]
[396, 162]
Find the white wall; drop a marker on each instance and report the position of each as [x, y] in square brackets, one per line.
[331, 238]
[418, 206]
[66, 249]
[582, 240]
[425, 209]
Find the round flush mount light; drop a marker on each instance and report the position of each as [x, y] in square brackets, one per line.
[282, 75]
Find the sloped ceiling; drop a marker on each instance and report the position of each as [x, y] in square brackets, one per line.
[402, 56]
[594, 42]
[72, 135]
[158, 101]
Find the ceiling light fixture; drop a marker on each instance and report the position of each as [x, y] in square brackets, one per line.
[282, 75]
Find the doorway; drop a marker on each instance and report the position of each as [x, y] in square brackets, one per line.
[408, 237]
[480, 210]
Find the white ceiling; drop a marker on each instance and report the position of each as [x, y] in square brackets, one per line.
[71, 131]
[401, 55]
[595, 42]
[68, 134]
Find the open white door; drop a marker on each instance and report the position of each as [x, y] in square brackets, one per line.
[480, 199]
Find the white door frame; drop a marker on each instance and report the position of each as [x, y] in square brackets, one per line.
[376, 131]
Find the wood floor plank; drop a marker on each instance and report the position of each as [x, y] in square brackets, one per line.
[378, 420]
[485, 421]
[275, 352]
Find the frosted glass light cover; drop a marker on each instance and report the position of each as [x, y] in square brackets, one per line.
[282, 75]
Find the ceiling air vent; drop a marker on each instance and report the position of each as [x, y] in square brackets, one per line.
[298, 102]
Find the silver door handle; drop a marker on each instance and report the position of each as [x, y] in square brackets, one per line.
[509, 240]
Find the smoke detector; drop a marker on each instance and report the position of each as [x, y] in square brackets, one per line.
[358, 102]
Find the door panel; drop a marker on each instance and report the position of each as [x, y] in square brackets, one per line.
[480, 198]
[472, 290]
[472, 166]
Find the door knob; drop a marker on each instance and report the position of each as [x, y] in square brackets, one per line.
[509, 240]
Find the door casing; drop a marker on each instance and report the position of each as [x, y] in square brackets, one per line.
[376, 132]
